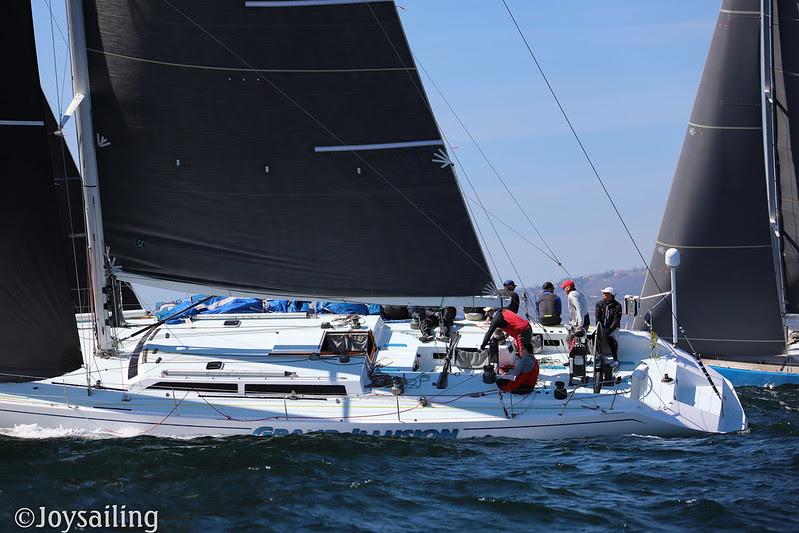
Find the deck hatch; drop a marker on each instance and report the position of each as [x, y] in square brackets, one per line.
[195, 386]
[288, 388]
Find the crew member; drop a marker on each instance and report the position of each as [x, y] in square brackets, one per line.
[510, 287]
[512, 324]
[429, 318]
[608, 315]
[521, 377]
[548, 306]
[578, 307]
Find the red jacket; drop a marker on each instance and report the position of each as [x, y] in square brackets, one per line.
[510, 323]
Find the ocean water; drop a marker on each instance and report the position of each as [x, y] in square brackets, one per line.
[332, 483]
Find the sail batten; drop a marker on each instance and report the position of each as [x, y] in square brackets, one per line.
[323, 174]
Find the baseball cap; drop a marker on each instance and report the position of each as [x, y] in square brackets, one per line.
[567, 283]
[609, 290]
[509, 282]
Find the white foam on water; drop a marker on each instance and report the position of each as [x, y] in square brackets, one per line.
[34, 431]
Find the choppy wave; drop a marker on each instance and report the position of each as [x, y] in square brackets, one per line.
[333, 482]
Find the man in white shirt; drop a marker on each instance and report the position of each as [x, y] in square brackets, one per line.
[578, 306]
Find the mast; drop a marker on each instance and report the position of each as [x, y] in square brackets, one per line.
[88, 160]
[769, 144]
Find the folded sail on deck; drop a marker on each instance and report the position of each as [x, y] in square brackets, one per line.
[717, 213]
[274, 147]
[37, 324]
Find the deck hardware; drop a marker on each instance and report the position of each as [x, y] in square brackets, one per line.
[397, 386]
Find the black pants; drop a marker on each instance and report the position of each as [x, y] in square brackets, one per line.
[553, 320]
[430, 319]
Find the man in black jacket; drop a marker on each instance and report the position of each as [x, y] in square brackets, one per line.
[510, 291]
[608, 315]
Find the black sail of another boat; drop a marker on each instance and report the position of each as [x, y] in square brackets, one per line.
[282, 148]
[786, 95]
[37, 323]
[717, 214]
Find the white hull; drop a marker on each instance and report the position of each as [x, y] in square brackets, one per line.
[161, 398]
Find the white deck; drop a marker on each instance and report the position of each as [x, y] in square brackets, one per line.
[269, 375]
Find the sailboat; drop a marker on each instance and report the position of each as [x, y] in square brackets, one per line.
[734, 204]
[285, 148]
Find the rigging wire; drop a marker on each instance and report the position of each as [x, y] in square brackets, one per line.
[514, 230]
[446, 140]
[454, 153]
[599, 179]
[525, 292]
[551, 255]
[482, 238]
[482, 267]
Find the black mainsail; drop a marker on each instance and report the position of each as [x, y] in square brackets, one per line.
[37, 324]
[274, 147]
[717, 214]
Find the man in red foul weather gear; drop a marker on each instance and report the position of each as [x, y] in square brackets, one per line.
[512, 324]
[522, 376]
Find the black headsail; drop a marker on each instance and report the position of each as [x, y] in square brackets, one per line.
[274, 147]
[37, 325]
[717, 213]
[69, 200]
[786, 111]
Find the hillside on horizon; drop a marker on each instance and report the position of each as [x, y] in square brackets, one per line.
[625, 281]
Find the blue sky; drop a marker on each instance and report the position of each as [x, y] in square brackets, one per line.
[626, 71]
